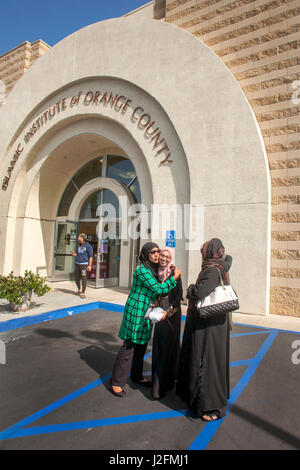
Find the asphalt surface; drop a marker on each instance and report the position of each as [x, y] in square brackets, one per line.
[53, 393]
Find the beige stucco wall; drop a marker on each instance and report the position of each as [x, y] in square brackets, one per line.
[218, 154]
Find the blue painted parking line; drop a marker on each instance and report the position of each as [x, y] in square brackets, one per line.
[56, 314]
[269, 328]
[9, 432]
[82, 308]
[20, 429]
[95, 423]
[249, 333]
[205, 436]
[244, 362]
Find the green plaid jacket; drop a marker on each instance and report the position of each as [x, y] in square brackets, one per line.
[145, 288]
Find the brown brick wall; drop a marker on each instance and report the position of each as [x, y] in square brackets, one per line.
[259, 41]
[159, 9]
[14, 63]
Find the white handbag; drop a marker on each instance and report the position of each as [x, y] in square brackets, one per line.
[154, 314]
[222, 299]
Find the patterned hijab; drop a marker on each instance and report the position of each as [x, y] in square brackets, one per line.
[165, 271]
[144, 258]
[212, 255]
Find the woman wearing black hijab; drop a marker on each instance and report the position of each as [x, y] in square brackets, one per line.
[135, 329]
[203, 373]
[166, 337]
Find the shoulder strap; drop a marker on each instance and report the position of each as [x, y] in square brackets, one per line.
[219, 271]
[220, 276]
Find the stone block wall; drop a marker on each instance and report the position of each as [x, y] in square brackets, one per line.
[259, 41]
[14, 63]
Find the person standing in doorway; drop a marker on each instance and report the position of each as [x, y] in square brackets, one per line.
[84, 259]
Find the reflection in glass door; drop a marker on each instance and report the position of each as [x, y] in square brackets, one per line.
[106, 240]
[108, 259]
[65, 243]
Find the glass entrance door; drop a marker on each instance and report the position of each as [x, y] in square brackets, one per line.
[105, 237]
[65, 243]
[108, 256]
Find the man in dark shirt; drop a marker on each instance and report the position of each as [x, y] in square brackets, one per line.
[84, 259]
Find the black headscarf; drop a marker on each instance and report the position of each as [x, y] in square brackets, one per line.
[144, 258]
[212, 255]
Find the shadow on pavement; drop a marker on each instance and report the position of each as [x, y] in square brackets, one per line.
[100, 354]
[96, 358]
[67, 291]
[97, 355]
[266, 426]
[6, 308]
[52, 333]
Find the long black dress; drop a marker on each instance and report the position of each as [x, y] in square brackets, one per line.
[166, 344]
[203, 374]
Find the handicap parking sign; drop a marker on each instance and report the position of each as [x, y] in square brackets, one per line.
[171, 238]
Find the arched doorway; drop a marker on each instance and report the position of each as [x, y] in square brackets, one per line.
[191, 146]
[94, 206]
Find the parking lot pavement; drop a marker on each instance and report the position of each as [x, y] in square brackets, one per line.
[53, 392]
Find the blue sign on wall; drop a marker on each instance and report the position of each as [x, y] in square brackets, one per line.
[171, 238]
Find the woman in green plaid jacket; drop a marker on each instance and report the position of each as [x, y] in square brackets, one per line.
[135, 330]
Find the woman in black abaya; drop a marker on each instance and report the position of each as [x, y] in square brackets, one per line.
[166, 339]
[203, 374]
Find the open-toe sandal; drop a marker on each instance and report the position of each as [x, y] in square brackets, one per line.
[211, 417]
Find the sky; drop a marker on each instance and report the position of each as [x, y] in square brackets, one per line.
[53, 20]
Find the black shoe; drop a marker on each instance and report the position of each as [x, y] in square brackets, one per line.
[158, 397]
[154, 397]
[144, 382]
[193, 417]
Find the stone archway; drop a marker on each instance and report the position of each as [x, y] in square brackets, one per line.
[219, 160]
[90, 187]
[125, 134]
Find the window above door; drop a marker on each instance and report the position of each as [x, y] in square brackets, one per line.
[116, 167]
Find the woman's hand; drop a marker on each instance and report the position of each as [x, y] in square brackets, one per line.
[164, 317]
[189, 291]
[177, 273]
[172, 267]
